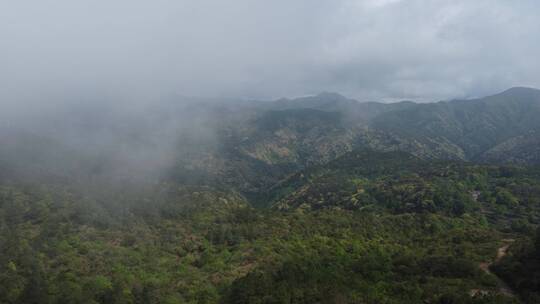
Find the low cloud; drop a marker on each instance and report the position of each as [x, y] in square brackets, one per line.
[54, 50]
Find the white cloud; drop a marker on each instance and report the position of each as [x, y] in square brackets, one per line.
[386, 49]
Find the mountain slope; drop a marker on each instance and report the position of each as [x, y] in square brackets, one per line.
[473, 126]
[250, 146]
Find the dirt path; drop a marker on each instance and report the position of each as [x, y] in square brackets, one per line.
[501, 253]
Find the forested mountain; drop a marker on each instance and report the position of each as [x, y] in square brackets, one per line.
[232, 141]
[318, 199]
[471, 126]
[288, 135]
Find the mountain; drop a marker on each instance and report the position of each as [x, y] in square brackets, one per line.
[319, 199]
[315, 130]
[521, 149]
[250, 146]
[457, 129]
[467, 129]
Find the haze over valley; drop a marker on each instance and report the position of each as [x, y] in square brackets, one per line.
[252, 152]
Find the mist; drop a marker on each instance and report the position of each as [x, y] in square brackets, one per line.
[250, 151]
[59, 50]
[107, 81]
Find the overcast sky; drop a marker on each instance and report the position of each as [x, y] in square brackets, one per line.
[422, 50]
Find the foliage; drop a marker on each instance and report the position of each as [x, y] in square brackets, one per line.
[383, 228]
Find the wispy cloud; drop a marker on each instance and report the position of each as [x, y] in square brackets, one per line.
[386, 49]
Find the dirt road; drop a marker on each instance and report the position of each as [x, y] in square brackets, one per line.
[501, 253]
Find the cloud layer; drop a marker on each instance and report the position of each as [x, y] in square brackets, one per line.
[372, 50]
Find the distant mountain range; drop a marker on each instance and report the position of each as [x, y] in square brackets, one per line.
[284, 136]
[319, 199]
[498, 128]
[252, 145]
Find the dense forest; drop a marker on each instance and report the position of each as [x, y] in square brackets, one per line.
[314, 200]
[398, 230]
[269, 152]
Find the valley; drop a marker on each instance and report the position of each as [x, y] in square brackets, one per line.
[320, 199]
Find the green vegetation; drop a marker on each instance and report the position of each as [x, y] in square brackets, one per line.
[415, 234]
[314, 200]
[521, 268]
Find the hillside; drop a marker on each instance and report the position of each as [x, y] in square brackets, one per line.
[314, 200]
[231, 143]
[472, 126]
[370, 227]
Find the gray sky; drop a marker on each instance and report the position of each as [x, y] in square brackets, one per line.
[422, 50]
